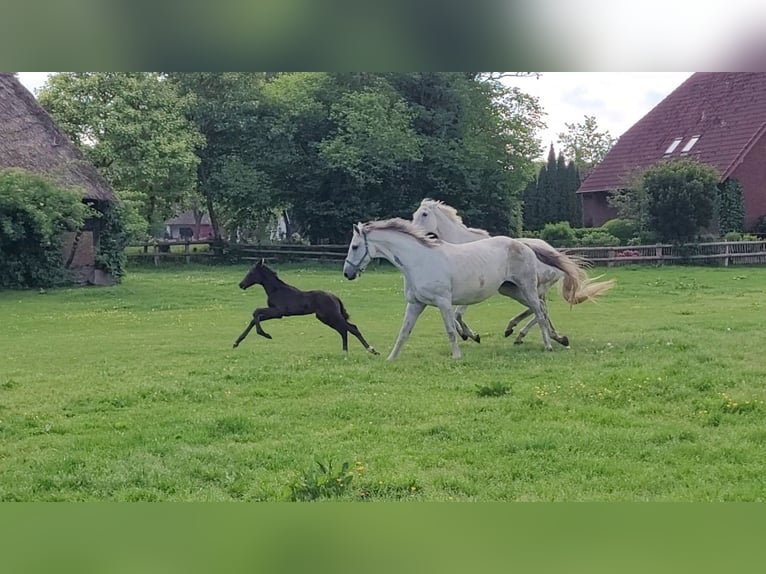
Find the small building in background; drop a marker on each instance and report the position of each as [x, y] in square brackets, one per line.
[189, 225]
[31, 140]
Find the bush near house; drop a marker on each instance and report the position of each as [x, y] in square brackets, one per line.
[34, 213]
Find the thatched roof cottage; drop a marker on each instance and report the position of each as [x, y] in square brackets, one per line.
[31, 140]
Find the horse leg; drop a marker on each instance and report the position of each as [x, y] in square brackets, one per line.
[560, 339]
[462, 329]
[526, 292]
[411, 314]
[449, 325]
[516, 320]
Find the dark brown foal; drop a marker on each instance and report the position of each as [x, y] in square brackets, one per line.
[285, 300]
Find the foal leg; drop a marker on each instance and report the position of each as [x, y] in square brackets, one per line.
[244, 333]
[358, 334]
[411, 314]
[259, 315]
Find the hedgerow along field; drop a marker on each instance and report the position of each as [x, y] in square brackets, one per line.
[134, 393]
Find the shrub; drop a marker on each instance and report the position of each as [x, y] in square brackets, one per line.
[115, 236]
[733, 236]
[681, 197]
[760, 226]
[559, 234]
[623, 229]
[34, 213]
[598, 238]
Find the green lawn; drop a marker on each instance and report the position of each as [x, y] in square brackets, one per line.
[134, 393]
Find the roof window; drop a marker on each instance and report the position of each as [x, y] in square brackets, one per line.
[673, 146]
[690, 144]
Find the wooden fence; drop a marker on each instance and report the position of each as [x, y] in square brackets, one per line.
[723, 253]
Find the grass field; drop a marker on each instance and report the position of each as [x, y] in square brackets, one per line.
[134, 393]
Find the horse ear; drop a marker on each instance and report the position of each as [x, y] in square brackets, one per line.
[355, 227]
[260, 263]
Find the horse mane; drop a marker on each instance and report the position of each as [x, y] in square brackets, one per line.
[451, 213]
[402, 226]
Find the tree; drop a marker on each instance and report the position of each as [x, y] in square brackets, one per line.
[133, 128]
[584, 144]
[227, 109]
[552, 196]
[730, 207]
[681, 197]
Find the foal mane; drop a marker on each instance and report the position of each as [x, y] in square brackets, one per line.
[450, 213]
[402, 226]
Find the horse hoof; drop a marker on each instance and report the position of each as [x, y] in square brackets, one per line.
[565, 341]
[508, 332]
[518, 342]
[373, 351]
[478, 338]
[464, 336]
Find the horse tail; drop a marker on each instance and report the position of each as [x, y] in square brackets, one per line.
[577, 287]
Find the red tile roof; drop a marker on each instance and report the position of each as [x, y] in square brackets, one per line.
[726, 110]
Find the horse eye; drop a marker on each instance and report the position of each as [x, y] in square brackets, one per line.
[425, 214]
[354, 247]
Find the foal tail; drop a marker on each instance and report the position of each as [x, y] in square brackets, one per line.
[577, 286]
[343, 310]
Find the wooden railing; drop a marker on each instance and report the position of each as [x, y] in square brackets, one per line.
[723, 253]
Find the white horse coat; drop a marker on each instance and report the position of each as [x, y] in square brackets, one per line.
[442, 220]
[443, 274]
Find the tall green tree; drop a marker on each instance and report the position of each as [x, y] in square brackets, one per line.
[730, 207]
[584, 144]
[227, 109]
[133, 128]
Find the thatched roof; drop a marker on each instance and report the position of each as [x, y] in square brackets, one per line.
[30, 139]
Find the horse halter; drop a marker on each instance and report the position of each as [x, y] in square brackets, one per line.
[358, 266]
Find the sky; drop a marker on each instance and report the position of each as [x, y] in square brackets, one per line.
[616, 99]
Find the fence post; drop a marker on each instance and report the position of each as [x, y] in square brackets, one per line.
[658, 252]
[186, 250]
[156, 255]
[726, 259]
[611, 254]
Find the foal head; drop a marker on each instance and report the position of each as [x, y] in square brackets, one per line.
[257, 275]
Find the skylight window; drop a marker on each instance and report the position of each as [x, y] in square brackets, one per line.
[690, 144]
[673, 146]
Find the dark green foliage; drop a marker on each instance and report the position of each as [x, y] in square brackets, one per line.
[493, 389]
[599, 238]
[559, 234]
[322, 482]
[552, 196]
[681, 197]
[33, 214]
[623, 229]
[113, 238]
[760, 226]
[730, 207]
[337, 148]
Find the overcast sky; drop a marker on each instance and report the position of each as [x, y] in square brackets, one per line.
[616, 99]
